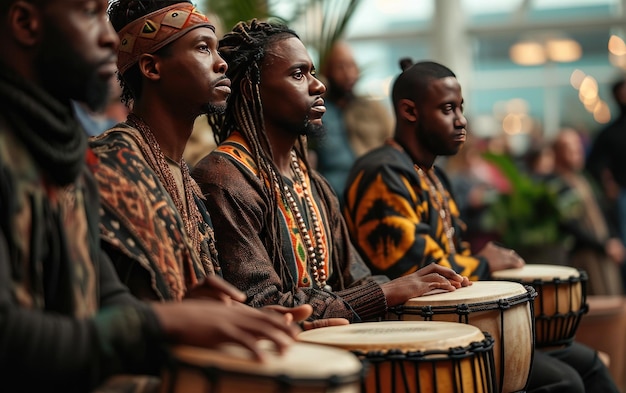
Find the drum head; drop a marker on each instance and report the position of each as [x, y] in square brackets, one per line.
[532, 272]
[401, 335]
[300, 361]
[478, 292]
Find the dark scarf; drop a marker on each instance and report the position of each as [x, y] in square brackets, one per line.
[45, 125]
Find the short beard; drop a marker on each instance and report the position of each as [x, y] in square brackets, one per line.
[313, 131]
[78, 79]
[212, 109]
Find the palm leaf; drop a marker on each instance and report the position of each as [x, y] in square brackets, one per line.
[232, 12]
[319, 23]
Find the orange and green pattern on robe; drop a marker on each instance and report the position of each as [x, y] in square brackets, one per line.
[394, 226]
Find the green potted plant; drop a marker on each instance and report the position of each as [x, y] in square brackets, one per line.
[527, 218]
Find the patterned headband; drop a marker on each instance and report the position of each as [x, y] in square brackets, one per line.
[155, 30]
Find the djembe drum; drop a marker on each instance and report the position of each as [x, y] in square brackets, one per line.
[560, 303]
[304, 368]
[403, 357]
[503, 309]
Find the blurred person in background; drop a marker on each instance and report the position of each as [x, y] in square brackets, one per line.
[476, 184]
[596, 248]
[606, 161]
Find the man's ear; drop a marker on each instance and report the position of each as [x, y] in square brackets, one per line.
[24, 21]
[407, 110]
[149, 66]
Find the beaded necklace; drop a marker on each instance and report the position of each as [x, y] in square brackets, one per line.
[190, 214]
[315, 245]
[439, 199]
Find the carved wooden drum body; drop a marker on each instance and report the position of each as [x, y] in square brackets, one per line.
[503, 309]
[303, 368]
[560, 303]
[404, 356]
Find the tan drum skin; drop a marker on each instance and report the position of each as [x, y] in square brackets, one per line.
[404, 356]
[480, 305]
[304, 368]
[560, 301]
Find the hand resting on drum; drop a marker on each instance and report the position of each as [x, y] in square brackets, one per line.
[500, 258]
[213, 287]
[418, 283]
[209, 323]
[302, 312]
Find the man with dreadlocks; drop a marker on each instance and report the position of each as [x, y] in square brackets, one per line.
[154, 225]
[278, 222]
[66, 322]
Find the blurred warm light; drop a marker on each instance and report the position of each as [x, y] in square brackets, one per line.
[514, 116]
[517, 105]
[563, 50]
[516, 123]
[527, 53]
[590, 103]
[577, 78]
[512, 123]
[602, 113]
[617, 46]
[588, 87]
[532, 52]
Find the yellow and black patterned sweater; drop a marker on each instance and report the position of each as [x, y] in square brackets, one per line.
[395, 222]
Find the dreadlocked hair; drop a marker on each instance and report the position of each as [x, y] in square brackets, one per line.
[121, 13]
[244, 50]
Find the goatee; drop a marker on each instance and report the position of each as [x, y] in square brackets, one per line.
[311, 130]
[212, 109]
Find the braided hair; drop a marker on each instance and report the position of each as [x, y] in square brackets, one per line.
[123, 12]
[244, 50]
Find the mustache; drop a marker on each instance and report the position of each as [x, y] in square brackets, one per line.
[218, 80]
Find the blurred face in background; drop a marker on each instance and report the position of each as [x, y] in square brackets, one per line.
[569, 152]
[341, 69]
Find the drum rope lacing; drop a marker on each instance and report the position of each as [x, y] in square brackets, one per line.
[463, 310]
[560, 328]
[481, 350]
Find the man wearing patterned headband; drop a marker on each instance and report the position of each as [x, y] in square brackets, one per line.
[66, 321]
[154, 225]
[278, 222]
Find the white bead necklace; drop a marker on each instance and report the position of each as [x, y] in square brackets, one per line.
[315, 248]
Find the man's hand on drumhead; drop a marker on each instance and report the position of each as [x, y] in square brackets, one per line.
[455, 279]
[299, 314]
[500, 258]
[214, 287]
[209, 323]
[424, 280]
[324, 322]
[292, 314]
